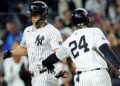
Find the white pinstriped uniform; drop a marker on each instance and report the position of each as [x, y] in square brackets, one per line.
[79, 46]
[39, 44]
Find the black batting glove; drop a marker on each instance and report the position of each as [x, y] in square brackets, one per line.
[50, 68]
[7, 54]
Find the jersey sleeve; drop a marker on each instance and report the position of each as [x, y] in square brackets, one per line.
[99, 38]
[23, 42]
[62, 52]
[55, 39]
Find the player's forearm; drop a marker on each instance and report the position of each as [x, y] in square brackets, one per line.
[109, 55]
[19, 51]
[50, 60]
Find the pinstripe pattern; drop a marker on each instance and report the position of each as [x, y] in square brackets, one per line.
[39, 50]
[44, 79]
[93, 78]
[79, 46]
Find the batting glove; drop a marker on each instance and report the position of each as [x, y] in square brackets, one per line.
[7, 54]
[50, 68]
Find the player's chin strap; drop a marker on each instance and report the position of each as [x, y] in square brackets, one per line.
[40, 21]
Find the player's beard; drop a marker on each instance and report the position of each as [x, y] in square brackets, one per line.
[34, 21]
[37, 25]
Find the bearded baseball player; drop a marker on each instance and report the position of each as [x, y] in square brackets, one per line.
[89, 49]
[39, 41]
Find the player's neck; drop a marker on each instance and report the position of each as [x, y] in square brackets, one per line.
[41, 25]
[83, 26]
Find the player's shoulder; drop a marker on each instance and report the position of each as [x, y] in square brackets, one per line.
[52, 28]
[95, 29]
[29, 28]
[88, 30]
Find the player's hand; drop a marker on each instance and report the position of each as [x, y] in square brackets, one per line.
[61, 74]
[7, 54]
[50, 68]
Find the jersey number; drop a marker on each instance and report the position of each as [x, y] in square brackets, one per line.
[82, 44]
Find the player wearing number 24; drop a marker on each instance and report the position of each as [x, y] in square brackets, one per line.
[89, 49]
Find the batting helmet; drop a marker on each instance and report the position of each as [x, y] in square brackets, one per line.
[80, 16]
[39, 7]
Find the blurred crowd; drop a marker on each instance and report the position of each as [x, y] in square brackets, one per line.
[14, 18]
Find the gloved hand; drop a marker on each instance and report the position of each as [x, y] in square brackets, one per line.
[50, 68]
[7, 54]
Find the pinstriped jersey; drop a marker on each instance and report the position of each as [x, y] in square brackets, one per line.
[40, 43]
[79, 46]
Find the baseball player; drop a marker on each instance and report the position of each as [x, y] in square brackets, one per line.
[88, 48]
[39, 41]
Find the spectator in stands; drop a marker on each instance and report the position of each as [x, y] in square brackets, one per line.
[16, 71]
[12, 34]
[2, 82]
[58, 23]
[64, 5]
[96, 6]
[117, 29]
[64, 29]
[12, 68]
[67, 18]
[114, 11]
[109, 31]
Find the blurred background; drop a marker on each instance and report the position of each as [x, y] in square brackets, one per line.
[14, 19]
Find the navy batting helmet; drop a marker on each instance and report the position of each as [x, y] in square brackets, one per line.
[38, 7]
[80, 16]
